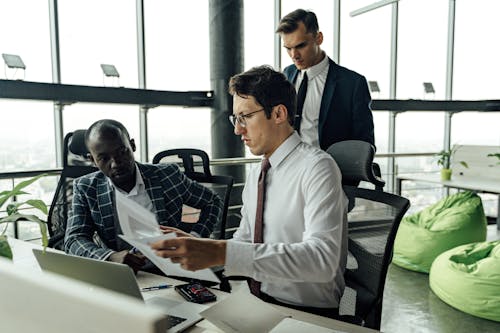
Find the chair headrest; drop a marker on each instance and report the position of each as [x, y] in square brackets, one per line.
[77, 144]
[355, 161]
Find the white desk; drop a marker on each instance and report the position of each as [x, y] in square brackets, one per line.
[486, 185]
[23, 255]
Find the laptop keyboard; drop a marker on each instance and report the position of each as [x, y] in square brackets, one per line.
[174, 320]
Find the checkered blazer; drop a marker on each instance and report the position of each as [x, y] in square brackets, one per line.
[93, 208]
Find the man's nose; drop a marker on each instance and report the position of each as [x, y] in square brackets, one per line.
[294, 54]
[238, 129]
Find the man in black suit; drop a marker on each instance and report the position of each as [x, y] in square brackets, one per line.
[337, 101]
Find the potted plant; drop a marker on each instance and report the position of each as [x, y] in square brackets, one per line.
[14, 215]
[445, 158]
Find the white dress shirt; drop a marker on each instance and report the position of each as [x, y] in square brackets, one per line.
[303, 257]
[138, 193]
[310, 115]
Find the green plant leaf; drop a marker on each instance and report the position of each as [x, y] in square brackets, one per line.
[5, 250]
[38, 204]
[33, 218]
[17, 189]
[464, 164]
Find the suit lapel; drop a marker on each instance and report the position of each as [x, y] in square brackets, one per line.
[327, 99]
[105, 203]
[155, 191]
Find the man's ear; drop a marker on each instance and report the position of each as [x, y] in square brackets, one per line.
[132, 144]
[319, 38]
[281, 113]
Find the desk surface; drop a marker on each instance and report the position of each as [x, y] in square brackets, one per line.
[23, 256]
[490, 185]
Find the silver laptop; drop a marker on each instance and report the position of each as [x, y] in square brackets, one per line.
[119, 278]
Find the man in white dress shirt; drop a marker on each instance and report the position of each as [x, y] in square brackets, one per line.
[302, 259]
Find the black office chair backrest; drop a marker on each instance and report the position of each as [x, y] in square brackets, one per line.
[373, 221]
[196, 166]
[75, 164]
[370, 241]
[355, 160]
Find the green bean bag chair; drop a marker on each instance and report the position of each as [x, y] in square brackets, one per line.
[455, 220]
[468, 278]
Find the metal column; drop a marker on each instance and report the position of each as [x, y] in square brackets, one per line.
[226, 60]
[56, 78]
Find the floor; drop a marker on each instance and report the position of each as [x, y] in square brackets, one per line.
[410, 305]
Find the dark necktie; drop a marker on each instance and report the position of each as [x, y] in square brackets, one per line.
[259, 217]
[301, 97]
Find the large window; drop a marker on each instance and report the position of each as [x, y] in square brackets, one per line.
[95, 32]
[25, 32]
[259, 33]
[477, 51]
[177, 45]
[422, 49]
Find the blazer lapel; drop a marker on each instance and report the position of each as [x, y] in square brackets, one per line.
[155, 191]
[106, 206]
[327, 99]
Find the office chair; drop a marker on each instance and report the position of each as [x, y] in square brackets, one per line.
[222, 185]
[75, 164]
[371, 232]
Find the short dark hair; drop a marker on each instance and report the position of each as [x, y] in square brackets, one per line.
[290, 22]
[106, 125]
[268, 87]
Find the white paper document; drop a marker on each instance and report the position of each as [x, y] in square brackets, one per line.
[290, 325]
[243, 312]
[140, 229]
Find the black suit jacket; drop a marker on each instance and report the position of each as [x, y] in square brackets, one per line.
[345, 112]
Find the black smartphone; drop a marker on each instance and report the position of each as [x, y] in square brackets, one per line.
[195, 292]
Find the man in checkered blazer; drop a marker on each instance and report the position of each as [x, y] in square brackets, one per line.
[163, 189]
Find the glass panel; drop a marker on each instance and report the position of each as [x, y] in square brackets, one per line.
[419, 132]
[177, 46]
[381, 125]
[95, 32]
[25, 32]
[477, 50]
[259, 32]
[365, 43]
[422, 48]
[82, 115]
[176, 127]
[27, 135]
[473, 128]
[324, 12]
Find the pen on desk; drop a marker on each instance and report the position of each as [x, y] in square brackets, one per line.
[161, 286]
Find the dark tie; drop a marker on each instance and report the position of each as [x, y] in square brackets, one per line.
[259, 217]
[301, 97]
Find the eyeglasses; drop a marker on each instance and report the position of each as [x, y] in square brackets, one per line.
[241, 118]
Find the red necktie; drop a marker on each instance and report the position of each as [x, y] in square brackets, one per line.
[259, 217]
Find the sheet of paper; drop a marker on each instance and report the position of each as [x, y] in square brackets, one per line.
[165, 264]
[140, 228]
[135, 220]
[290, 325]
[243, 312]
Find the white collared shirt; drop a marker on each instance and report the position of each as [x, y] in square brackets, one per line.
[303, 257]
[138, 193]
[310, 113]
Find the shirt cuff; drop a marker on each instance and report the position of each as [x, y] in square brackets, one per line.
[239, 258]
[195, 234]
